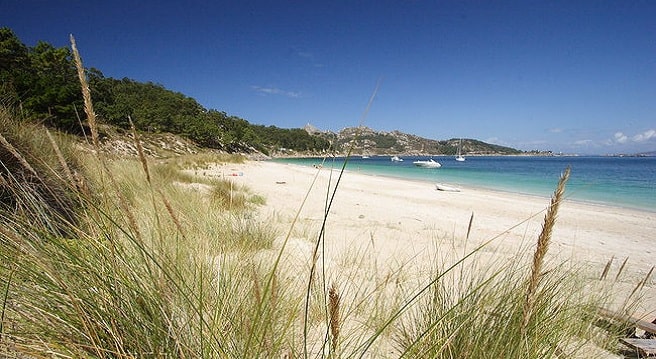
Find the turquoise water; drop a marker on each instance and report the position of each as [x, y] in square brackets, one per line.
[619, 181]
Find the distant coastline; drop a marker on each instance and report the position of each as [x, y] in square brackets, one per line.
[525, 154]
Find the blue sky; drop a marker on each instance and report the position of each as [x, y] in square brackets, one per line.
[571, 76]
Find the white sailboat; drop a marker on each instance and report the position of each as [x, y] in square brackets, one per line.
[460, 157]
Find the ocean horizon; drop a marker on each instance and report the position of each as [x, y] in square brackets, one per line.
[628, 182]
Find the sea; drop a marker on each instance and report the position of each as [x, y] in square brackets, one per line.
[628, 182]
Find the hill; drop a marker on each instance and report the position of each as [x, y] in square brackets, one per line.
[370, 141]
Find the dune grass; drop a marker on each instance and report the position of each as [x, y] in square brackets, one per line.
[121, 258]
[479, 313]
[158, 267]
[131, 274]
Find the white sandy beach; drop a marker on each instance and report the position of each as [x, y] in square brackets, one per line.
[402, 220]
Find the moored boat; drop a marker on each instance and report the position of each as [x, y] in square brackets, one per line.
[460, 157]
[427, 163]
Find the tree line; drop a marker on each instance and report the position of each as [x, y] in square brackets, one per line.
[41, 82]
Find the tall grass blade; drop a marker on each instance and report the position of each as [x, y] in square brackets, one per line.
[619, 271]
[142, 156]
[646, 279]
[17, 155]
[5, 297]
[61, 159]
[334, 317]
[541, 250]
[325, 219]
[469, 226]
[604, 273]
[86, 94]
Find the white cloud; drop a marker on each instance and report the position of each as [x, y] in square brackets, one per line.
[555, 130]
[494, 140]
[583, 143]
[534, 143]
[620, 137]
[276, 91]
[305, 54]
[645, 136]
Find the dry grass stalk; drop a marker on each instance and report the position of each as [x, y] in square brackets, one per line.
[79, 122]
[142, 156]
[469, 227]
[125, 205]
[646, 279]
[231, 196]
[619, 272]
[61, 159]
[174, 217]
[328, 205]
[607, 268]
[257, 291]
[4, 302]
[86, 94]
[333, 312]
[543, 245]
[16, 154]
[274, 292]
[638, 287]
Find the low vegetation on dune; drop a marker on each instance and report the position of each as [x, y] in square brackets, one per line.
[105, 256]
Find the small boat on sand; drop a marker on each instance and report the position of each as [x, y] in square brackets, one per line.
[446, 188]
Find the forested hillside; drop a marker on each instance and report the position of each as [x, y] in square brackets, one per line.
[41, 82]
